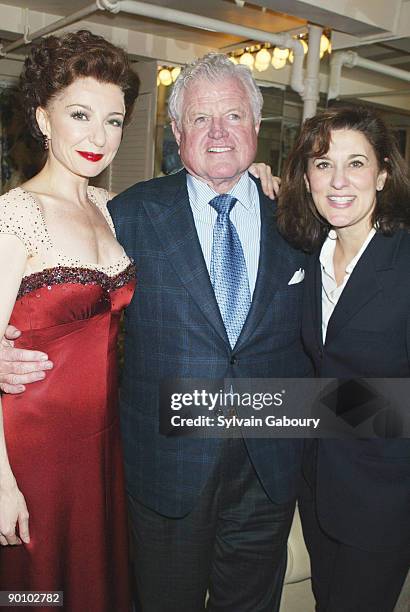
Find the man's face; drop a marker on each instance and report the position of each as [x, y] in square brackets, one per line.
[217, 136]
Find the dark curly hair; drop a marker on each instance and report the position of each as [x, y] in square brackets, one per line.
[57, 61]
[297, 217]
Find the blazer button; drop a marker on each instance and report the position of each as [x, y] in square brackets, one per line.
[234, 360]
[320, 353]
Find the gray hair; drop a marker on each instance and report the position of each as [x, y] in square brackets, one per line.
[213, 67]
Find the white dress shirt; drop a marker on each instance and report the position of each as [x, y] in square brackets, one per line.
[245, 216]
[331, 291]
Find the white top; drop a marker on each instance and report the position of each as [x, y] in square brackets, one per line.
[331, 292]
[245, 216]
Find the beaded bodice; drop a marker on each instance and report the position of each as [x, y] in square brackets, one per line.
[21, 215]
[82, 276]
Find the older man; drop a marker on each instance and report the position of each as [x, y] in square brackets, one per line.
[213, 301]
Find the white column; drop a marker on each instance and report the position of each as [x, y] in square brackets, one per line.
[311, 90]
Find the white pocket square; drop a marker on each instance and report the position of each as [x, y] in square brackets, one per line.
[297, 277]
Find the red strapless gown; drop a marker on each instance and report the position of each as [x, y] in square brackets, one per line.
[64, 444]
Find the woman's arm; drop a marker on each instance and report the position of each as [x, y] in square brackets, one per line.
[13, 509]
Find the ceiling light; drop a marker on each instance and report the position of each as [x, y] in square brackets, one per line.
[324, 44]
[165, 77]
[247, 59]
[262, 60]
[278, 63]
[281, 54]
[175, 72]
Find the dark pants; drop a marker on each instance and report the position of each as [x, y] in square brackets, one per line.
[232, 544]
[347, 579]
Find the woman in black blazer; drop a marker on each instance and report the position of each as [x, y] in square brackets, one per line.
[346, 198]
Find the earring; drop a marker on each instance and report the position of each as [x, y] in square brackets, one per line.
[45, 142]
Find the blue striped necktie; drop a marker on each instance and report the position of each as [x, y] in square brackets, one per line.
[229, 276]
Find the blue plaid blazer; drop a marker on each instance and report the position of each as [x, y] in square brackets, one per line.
[174, 329]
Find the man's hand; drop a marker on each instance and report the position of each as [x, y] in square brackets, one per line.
[19, 367]
[270, 184]
[13, 512]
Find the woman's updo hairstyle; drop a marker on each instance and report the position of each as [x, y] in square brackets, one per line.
[55, 62]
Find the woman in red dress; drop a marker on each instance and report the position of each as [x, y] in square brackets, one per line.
[65, 280]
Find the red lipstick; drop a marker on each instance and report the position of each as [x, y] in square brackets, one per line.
[93, 157]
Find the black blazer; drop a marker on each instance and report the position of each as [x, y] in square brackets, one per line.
[363, 486]
[174, 329]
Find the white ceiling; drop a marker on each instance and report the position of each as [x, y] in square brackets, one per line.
[224, 10]
[377, 29]
[250, 15]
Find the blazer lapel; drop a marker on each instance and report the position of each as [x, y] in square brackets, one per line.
[172, 219]
[363, 284]
[273, 268]
[313, 299]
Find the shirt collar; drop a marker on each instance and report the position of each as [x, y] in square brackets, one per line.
[328, 250]
[200, 194]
